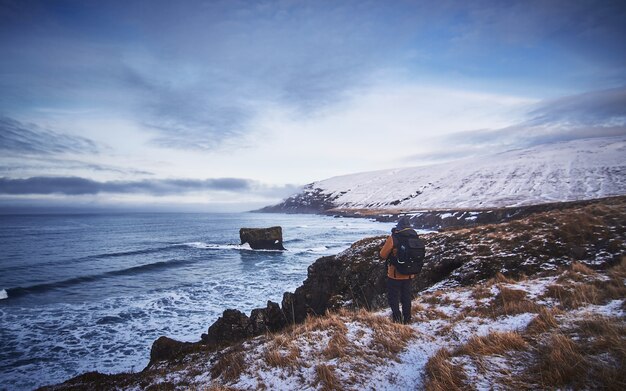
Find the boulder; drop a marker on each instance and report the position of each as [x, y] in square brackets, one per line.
[168, 349]
[234, 326]
[262, 238]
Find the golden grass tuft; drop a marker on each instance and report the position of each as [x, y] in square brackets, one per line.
[219, 387]
[605, 335]
[543, 322]
[391, 339]
[481, 292]
[442, 375]
[325, 375]
[337, 346]
[230, 365]
[572, 296]
[278, 358]
[511, 302]
[495, 343]
[436, 297]
[580, 268]
[500, 278]
[324, 323]
[560, 362]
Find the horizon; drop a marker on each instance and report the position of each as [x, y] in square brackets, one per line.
[223, 106]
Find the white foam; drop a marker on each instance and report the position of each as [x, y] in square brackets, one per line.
[317, 249]
[212, 246]
[3, 294]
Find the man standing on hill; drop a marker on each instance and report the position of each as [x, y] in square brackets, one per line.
[398, 284]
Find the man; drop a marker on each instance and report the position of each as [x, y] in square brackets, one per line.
[398, 284]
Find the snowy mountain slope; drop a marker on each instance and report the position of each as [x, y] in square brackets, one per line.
[566, 171]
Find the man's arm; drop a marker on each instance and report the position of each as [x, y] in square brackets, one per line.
[386, 250]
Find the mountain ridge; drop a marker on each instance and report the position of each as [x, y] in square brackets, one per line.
[560, 172]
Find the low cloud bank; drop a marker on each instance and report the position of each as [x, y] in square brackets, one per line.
[157, 187]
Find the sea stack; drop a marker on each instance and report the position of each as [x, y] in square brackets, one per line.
[262, 238]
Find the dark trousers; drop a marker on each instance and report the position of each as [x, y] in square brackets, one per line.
[399, 291]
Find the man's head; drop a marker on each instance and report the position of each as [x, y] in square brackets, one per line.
[403, 223]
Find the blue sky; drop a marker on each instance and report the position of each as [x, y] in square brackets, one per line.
[227, 105]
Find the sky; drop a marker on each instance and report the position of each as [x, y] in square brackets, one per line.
[232, 105]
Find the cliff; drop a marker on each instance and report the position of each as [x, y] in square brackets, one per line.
[521, 286]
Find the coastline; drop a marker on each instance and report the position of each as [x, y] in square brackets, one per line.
[354, 279]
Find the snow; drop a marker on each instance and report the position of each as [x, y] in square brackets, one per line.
[566, 171]
[442, 321]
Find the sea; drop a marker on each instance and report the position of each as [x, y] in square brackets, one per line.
[92, 292]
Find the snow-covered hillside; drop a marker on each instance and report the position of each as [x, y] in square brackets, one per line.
[566, 171]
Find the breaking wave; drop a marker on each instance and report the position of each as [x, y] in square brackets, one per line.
[134, 270]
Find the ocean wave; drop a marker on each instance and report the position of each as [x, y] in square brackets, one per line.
[317, 249]
[212, 246]
[40, 288]
[133, 252]
[97, 256]
[3, 294]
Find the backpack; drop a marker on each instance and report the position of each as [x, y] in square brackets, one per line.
[411, 251]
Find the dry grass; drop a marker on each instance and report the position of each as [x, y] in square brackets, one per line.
[388, 338]
[279, 358]
[589, 354]
[572, 296]
[502, 279]
[337, 346]
[605, 343]
[391, 338]
[324, 323]
[543, 322]
[230, 365]
[218, 387]
[325, 375]
[481, 292]
[560, 362]
[437, 297]
[492, 344]
[509, 302]
[580, 268]
[442, 375]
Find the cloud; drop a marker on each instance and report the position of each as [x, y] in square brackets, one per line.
[20, 165]
[19, 138]
[589, 115]
[72, 186]
[604, 107]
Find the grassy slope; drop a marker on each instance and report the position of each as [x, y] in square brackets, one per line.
[561, 327]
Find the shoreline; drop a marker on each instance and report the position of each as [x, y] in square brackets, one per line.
[444, 218]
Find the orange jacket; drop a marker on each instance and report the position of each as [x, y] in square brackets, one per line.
[391, 270]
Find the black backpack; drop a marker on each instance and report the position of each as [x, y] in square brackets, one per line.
[411, 251]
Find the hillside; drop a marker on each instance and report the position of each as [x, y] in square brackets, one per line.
[558, 172]
[530, 304]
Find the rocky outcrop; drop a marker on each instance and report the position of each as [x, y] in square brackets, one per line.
[593, 234]
[234, 325]
[262, 238]
[310, 200]
[165, 348]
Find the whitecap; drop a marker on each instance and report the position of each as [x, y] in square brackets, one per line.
[3, 294]
[213, 246]
[317, 249]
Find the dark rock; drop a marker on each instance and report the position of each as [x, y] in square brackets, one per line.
[166, 348]
[310, 200]
[234, 326]
[266, 319]
[355, 278]
[262, 238]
